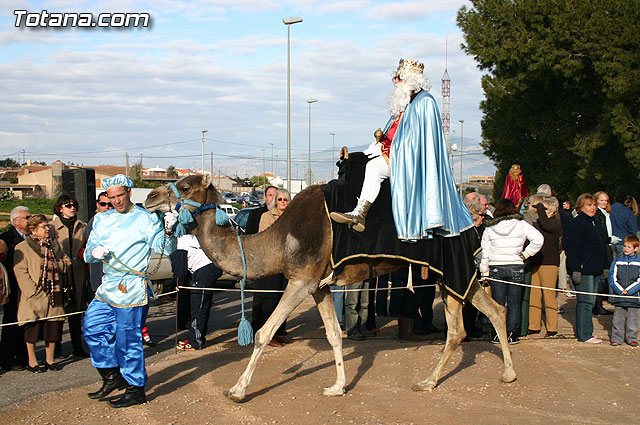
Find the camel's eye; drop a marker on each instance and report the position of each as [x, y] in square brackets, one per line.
[184, 189]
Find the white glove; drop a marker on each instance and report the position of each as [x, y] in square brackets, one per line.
[99, 252]
[170, 220]
[374, 150]
[615, 240]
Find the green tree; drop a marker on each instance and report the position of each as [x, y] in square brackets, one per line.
[562, 90]
[259, 180]
[171, 172]
[9, 163]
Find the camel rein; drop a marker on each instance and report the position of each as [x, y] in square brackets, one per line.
[185, 217]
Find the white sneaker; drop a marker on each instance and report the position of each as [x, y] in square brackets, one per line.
[570, 294]
[593, 340]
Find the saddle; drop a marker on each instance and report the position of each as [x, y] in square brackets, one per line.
[450, 257]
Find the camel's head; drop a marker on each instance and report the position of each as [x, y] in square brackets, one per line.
[194, 188]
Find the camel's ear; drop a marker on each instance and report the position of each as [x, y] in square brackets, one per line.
[206, 180]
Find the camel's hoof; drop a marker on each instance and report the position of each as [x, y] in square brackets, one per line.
[333, 391]
[231, 396]
[508, 376]
[427, 385]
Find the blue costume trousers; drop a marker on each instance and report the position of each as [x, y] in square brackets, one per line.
[114, 338]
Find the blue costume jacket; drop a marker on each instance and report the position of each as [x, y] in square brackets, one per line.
[423, 191]
[130, 237]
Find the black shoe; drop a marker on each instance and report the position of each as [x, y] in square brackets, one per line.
[79, 352]
[132, 396]
[111, 380]
[513, 339]
[356, 336]
[54, 366]
[36, 369]
[533, 331]
[602, 312]
[475, 332]
[495, 339]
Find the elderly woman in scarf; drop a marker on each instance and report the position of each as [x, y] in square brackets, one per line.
[39, 265]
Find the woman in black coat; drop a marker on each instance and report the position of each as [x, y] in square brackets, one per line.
[585, 246]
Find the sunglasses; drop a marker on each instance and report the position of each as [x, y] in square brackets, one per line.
[105, 204]
[70, 205]
[26, 217]
[282, 199]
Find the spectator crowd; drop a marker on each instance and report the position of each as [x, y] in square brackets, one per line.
[532, 251]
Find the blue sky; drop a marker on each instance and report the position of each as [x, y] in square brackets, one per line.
[87, 96]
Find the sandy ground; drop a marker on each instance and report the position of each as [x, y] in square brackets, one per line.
[559, 380]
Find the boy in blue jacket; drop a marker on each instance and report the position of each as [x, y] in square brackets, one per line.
[624, 279]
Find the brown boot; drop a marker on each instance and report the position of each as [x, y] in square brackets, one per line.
[405, 329]
[356, 218]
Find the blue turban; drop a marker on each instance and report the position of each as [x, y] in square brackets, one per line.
[119, 180]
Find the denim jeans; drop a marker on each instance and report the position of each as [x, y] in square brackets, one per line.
[338, 302]
[511, 295]
[584, 307]
[356, 317]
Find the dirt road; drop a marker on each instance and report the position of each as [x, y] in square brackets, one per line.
[559, 380]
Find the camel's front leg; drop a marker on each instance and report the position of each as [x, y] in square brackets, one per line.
[498, 316]
[455, 335]
[332, 329]
[292, 297]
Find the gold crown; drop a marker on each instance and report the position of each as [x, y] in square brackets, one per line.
[412, 66]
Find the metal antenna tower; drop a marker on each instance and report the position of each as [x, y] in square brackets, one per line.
[446, 99]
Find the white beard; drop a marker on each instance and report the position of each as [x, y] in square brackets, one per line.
[399, 98]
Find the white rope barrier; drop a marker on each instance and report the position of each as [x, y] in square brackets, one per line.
[178, 288]
[560, 290]
[61, 316]
[282, 291]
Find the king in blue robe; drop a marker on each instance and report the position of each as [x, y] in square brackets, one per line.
[423, 192]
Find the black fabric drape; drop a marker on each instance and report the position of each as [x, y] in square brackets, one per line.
[451, 257]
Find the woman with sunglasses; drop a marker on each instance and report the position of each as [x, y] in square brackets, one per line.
[266, 303]
[69, 232]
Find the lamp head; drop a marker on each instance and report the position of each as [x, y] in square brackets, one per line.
[291, 20]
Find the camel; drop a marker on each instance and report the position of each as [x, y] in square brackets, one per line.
[298, 245]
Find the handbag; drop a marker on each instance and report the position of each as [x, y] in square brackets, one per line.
[68, 290]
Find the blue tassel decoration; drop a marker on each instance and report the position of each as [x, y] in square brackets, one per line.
[245, 331]
[184, 218]
[221, 217]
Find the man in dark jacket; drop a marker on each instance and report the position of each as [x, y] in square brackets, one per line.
[253, 221]
[13, 351]
[258, 312]
[623, 224]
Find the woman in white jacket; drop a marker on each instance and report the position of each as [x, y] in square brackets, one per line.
[503, 256]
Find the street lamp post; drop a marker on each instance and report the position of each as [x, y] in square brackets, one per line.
[461, 133]
[203, 131]
[333, 153]
[264, 172]
[309, 101]
[272, 167]
[288, 22]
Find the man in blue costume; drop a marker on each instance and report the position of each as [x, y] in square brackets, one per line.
[122, 238]
[412, 152]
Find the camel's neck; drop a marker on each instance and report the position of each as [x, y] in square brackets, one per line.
[220, 243]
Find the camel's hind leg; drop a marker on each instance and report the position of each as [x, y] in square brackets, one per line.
[455, 335]
[498, 316]
[292, 297]
[332, 329]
